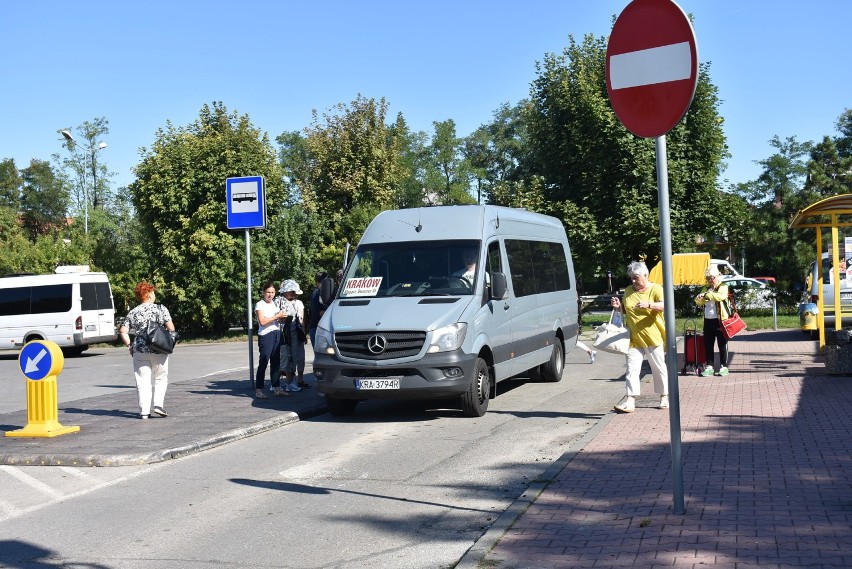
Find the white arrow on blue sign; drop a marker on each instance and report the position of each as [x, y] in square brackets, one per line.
[35, 361]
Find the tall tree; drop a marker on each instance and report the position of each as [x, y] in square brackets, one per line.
[355, 160]
[348, 166]
[774, 197]
[447, 179]
[179, 196]
[586, 157]
[10, 184]
[44, 200]
[89, 175]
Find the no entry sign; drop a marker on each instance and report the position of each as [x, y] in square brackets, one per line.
[651, 66]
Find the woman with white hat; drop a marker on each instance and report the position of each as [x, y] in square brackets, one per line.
[293, 337]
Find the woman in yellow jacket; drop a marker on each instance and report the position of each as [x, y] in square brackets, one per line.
[714, 299]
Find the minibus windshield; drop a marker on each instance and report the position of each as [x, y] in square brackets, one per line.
[413, 268]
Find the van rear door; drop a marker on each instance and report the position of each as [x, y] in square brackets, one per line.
[97, 309]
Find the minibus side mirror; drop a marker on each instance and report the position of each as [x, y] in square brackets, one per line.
[327, 291]
[498, 286]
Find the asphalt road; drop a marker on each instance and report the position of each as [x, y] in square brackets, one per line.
[395, 485]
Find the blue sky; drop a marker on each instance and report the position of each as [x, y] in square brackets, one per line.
[782, 67]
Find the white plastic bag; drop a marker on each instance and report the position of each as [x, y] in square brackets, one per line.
[613, 338]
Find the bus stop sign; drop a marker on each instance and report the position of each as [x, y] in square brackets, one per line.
[651, 66]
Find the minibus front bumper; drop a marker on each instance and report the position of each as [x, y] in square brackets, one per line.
[434, 376]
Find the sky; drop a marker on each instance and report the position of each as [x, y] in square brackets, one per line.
[782, 67]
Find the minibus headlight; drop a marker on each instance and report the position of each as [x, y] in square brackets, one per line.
[448, 338]
[325, 342]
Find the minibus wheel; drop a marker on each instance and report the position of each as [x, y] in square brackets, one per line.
[340, 407]
[475, 400]
[552, 370]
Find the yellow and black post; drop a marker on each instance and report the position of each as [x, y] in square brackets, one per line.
[41, 361]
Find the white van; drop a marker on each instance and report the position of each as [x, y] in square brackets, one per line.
[72, 307]
[444, 302]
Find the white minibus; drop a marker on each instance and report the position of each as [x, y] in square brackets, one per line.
[443, 303]
[72, 307]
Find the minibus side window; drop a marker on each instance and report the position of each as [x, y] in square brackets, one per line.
[51, 298]
[15, 301]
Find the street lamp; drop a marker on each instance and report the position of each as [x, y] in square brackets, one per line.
[72, 145]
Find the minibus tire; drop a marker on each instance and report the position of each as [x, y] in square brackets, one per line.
[340, 407]
[552, 370]
[475, 400]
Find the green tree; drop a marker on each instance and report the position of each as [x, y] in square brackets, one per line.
[590, 161]
[44, 200]
[498, 152]
[446, 179]
[774, 197]
[10, 184]
[89, 176]
[179, 197]
[348, 166]
[354, 158]
[844, 141]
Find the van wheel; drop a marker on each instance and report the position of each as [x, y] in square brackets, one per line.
[340, 407]
[475, 401]
[552, 370]
[74, 352]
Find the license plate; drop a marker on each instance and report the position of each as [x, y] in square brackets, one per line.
[846, 296]
[91, 327]
[386, 383]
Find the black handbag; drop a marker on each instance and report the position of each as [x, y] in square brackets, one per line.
[159, 338]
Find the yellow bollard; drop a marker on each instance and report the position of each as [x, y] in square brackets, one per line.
[41, 361]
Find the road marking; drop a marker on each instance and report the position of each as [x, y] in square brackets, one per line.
[12, 511]
[33, 483]
[8, 509]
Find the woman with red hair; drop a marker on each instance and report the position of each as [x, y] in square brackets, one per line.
[150, 368]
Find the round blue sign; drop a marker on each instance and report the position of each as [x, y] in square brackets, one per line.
[40, 359]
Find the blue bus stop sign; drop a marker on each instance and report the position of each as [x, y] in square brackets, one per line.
[246, 203]
[40, 359]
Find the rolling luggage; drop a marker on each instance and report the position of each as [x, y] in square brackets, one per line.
[693, 349]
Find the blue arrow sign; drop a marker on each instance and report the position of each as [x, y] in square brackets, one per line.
[246, 203]
[35, 360]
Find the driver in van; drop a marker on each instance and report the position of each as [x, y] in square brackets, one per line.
[469, 271]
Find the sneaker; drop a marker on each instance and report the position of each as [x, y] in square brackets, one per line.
[278, 392]
[592, 356]
[143, 416]
[723, 371]
[292, 387]
[260, 394]
[159, 412]
[626, 406]
[708, 371]
[664, 401]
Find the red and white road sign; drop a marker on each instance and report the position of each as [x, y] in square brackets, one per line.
[651, 66]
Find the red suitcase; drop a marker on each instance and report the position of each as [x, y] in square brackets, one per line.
[693, 349]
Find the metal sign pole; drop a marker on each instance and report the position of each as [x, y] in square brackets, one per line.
[250, 315]
[671, 339]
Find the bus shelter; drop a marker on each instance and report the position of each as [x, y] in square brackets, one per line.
[828, 214]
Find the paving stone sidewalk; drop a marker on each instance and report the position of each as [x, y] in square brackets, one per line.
[767, 475]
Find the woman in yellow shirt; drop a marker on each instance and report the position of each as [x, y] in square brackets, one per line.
[643, 315]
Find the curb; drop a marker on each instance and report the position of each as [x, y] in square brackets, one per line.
[488, 540]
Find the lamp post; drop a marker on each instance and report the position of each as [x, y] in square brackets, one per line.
[72, 145]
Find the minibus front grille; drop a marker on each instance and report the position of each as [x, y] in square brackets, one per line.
[379, 345]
